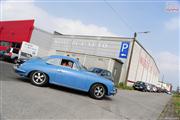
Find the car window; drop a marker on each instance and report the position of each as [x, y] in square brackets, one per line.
[80, 66]
[97, 70]
[54, 61]
[139, 82]
[16, 45]
[15, 51]
[67, 63]
[75, 66]
[90, 69]
[4, 43]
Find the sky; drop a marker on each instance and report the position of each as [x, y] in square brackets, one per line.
[110, 18]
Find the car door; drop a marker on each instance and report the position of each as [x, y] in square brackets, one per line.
[70, 77]
[51, 67]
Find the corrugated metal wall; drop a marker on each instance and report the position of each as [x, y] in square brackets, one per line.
[143, 66]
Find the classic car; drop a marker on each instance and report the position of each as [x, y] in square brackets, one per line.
[65, 71]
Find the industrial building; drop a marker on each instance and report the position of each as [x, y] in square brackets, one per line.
[111, 53]
[126, 58]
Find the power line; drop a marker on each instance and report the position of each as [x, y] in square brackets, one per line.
[120, 17]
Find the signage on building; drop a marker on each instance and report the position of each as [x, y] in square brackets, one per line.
[124, 50]
[28, 50]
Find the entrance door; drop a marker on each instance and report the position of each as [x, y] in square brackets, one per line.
[117, 72]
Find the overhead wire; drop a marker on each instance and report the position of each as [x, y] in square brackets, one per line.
[119, 16]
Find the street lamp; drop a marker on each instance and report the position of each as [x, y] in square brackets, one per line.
[130, 58]
[135, 34]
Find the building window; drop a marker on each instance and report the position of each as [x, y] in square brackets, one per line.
[4, 43]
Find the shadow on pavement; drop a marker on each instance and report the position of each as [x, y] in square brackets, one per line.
[64, 89]
[61, 88]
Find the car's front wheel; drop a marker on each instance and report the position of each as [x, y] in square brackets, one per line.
[97, 91]
[38, 78]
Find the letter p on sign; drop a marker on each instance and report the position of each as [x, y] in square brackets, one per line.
[124, 50]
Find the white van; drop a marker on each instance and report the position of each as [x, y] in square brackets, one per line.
[11, 54]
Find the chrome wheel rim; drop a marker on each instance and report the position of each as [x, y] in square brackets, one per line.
[99, 91]
[39, 77]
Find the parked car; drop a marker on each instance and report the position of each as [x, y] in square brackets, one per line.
[154, 88]
[151, 87]
[139, 85]
[102, 72]
[65, 71]
[161, 90]
[11, 54]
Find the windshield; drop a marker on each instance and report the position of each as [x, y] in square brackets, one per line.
[82, 67]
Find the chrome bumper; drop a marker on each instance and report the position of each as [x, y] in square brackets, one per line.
[18, 70]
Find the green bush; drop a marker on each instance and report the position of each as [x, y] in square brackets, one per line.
[176, 102]
[176, 95]
[122, 85]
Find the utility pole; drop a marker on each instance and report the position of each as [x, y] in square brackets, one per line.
[130, 57]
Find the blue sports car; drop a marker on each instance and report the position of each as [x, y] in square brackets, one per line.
[65, 71]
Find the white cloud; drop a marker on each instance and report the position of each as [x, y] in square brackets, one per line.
[43, 20]
[172, 24]
[168, 61]
[169, 65]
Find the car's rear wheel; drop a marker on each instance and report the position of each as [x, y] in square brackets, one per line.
[39, 78]
[97, 91]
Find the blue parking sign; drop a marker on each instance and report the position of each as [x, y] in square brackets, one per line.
[124, 50]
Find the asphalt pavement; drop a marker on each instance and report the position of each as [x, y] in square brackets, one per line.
[21, 100]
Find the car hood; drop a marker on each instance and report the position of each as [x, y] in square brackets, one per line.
[34, 60]
[94, 75]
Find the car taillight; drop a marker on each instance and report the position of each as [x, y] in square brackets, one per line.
[10, 54]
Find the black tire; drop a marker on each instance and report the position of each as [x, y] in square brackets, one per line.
[144, 90]
[15, 60]
[39, 78]
[97, 91]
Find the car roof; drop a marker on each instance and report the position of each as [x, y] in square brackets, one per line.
[140, 82]
[63, 57]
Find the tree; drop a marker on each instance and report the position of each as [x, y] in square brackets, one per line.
[178, 90]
